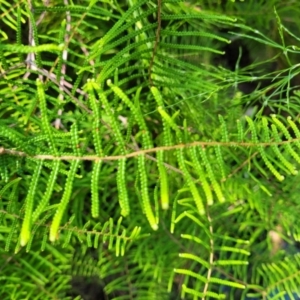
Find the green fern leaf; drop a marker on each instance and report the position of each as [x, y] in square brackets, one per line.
[64, 201]
[144, 193]
[29, 202]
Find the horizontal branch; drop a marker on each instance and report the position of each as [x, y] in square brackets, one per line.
[143, 151]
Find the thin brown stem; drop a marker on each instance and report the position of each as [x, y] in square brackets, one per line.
[144, 151]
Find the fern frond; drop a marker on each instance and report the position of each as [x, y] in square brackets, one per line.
[45, 122]
[135, 111]
[126, 114]
[145, 194]
[281, 277]
[49, 190]
[26, 226]
[64, 201]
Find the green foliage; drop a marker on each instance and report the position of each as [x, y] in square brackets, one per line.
[128, 155]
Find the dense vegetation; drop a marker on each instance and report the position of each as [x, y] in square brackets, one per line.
[149, 149]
